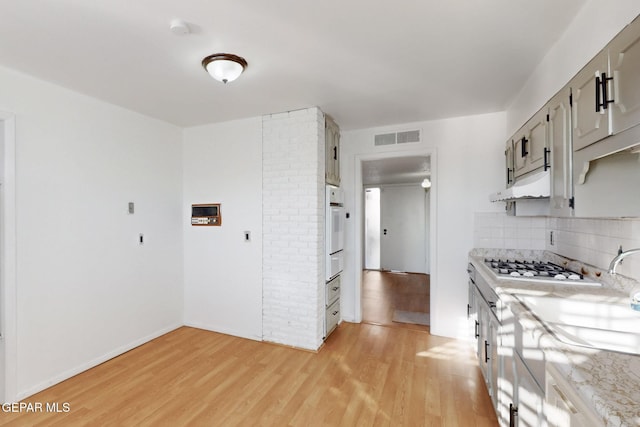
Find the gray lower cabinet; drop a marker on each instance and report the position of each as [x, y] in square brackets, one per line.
[332, 305]
[562, 408]
[332, 316]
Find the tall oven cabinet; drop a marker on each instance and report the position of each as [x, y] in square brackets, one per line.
[334, 244]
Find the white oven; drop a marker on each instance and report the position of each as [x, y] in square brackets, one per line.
[334, 232]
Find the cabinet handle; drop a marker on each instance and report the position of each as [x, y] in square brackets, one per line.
[468, 310]
[564, 399]
[601, 87]
[546, 158]
[477, 331]
[605, 96]
[335, 153]
[335, 288]
[509, 170]
[335, 312]
[523, 147]
[598, 88]
[513, 413]
[486, 351]
[492, 304]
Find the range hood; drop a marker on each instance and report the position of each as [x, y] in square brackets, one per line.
[535, 186]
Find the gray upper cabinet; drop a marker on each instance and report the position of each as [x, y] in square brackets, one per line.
[624, 59]
[590, 114]
[559, 156]
[332, 151]
[606, 92]
[509, 159]
[529, 145]
[588, 135]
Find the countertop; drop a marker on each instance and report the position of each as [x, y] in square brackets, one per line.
[606, 381]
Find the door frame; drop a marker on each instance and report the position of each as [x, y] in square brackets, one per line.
[8, 260]
[359, 224]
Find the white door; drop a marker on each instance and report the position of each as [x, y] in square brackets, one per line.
[403, 224]
[372, 229]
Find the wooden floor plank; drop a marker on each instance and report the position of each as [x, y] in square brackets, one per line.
[365, 375]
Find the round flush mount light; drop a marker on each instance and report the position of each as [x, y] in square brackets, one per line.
[224, 67]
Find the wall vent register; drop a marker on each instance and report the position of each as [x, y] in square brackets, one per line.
[206, 214]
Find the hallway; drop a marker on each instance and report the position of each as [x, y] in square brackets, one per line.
[384, 293]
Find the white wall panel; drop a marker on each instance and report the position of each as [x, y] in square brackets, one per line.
[223, 274]
[86, 290]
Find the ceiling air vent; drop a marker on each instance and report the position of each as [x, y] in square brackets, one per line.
[385, 139]
[408, 136]
[397, 137]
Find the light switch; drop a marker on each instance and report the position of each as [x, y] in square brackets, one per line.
[131, 208]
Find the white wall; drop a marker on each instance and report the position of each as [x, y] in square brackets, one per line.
[593, 27]
[470, 164]
[86, 291]
[223, 274]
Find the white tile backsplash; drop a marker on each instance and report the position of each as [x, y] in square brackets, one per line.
[592, 241]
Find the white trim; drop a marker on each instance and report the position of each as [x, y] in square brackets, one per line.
[8, 258]
[359, 224]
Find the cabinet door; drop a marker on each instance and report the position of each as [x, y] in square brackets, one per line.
[332, 152]
[528, 411]
[624, 56]
[520, 152]
[562, 408]
[493, 364]
[560, 155]
[509, 157]
[472, 315]
[483, 340]
[590, 121]
[537, 135]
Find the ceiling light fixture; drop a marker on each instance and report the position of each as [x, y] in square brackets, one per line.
[224, 67]
[426, 183]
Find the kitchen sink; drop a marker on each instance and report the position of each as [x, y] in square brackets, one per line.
[600, 323]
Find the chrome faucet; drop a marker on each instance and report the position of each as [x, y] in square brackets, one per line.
[621, 255]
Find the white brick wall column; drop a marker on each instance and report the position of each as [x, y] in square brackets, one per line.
[293, 227]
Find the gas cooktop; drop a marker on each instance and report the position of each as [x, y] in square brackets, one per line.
[534, 270]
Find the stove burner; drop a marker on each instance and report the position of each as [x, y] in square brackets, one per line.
[531, 269]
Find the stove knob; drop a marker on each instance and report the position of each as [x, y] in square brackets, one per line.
[560, 277]
[514, 274]
[575, 277]
[528, 274]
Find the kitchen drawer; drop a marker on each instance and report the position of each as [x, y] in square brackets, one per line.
[333, 291]
[332, 316]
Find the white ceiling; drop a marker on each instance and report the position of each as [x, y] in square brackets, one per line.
[365, 62]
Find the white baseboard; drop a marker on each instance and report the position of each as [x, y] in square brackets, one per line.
[95, 362]
[225, 331]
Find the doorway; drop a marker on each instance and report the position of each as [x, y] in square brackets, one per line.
[395, 285]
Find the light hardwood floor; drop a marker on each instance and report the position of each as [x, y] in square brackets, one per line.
[365, 375]
[385, 292]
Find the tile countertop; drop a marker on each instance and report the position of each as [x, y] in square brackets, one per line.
[606, 381]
